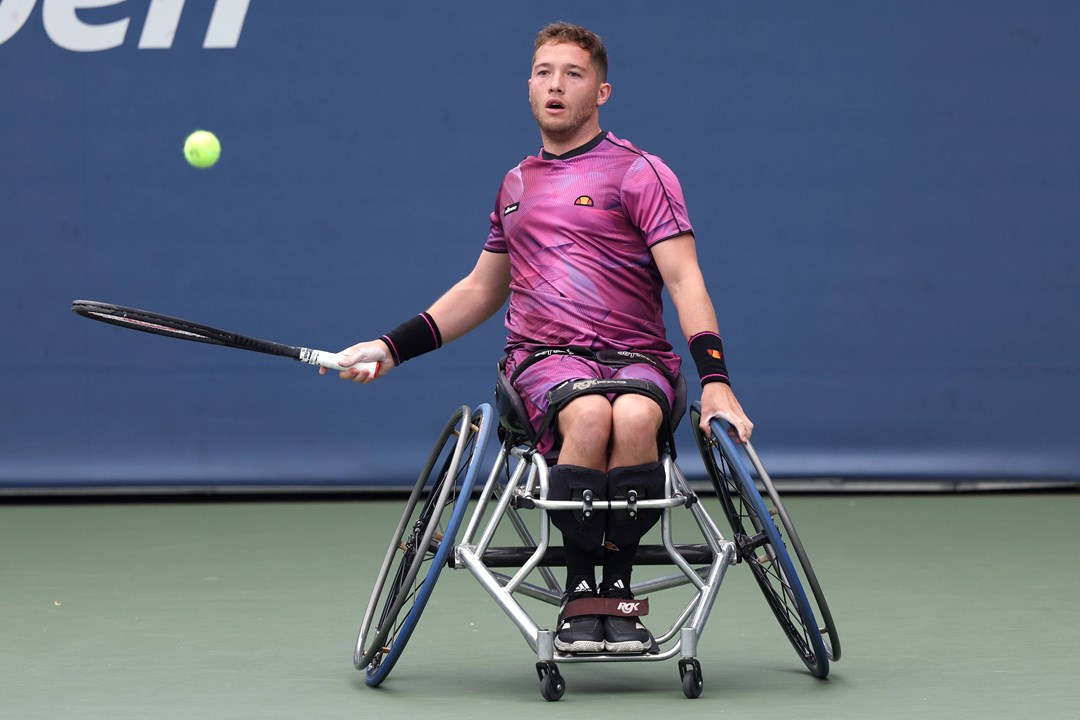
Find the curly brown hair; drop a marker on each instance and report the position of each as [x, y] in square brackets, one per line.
[587, 40]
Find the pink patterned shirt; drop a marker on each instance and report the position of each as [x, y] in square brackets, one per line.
[579, 229]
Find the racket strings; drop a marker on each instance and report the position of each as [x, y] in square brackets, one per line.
[143, 324]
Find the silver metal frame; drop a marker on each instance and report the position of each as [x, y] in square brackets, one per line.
[525, 490]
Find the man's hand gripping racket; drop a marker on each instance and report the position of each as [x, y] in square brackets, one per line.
[363, 362]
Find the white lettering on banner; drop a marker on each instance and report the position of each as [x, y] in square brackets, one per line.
[162, 19]
[626, 607]
[63, 26]
[13, 15]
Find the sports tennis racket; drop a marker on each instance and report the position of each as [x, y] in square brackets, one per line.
[151, 322]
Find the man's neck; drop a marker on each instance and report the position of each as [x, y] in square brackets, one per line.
[574, 151]
[560, 145]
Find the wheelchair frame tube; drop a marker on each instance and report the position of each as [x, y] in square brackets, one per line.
[485, 495]
[538, 472]
[529, 629]
[500, 507]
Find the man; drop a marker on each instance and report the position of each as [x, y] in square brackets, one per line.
[583, 237]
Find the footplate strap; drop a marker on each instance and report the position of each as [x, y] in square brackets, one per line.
[617, 607]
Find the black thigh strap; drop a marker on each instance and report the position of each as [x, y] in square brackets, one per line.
[568, 390]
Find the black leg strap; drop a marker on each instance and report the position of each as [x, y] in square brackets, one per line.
[581, 530]
[563, 393]
[642, 482]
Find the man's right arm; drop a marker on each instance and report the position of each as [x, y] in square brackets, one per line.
[464, 307]
[475, 298]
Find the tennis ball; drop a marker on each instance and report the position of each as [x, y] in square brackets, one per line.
[202, 149]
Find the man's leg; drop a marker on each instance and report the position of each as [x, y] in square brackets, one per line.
[635, 421]
[635, 466]
[585, 425]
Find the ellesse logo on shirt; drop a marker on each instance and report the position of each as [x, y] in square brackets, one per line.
[584, 200]
[510, 208]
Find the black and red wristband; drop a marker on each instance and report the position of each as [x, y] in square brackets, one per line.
[707, 350]
[413, 337]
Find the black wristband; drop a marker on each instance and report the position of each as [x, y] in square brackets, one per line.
[707, 350]
[413, 337]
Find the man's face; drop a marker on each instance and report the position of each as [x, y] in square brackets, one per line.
[564, 90]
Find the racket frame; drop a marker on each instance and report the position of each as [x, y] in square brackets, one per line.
[180, 329]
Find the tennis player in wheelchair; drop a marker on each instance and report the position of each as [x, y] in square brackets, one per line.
[584, 236]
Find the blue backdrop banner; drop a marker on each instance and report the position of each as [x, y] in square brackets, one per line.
[886, 198]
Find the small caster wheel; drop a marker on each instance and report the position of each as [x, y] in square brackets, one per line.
[552, 685]
[690, 673]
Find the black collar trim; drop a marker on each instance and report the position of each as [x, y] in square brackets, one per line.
[576, 151]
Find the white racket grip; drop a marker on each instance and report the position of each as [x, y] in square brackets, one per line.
[331, 361]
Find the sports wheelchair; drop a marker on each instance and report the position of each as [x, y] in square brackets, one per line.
[516, 490]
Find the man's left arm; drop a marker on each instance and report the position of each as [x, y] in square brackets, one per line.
[676, 258]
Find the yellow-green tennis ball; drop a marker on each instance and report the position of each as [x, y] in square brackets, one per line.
[202, 149]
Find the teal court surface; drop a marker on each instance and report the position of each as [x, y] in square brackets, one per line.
[949, 606]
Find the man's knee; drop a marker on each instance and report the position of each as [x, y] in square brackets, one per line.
[585, 424]
[636, 421]
[636, 414]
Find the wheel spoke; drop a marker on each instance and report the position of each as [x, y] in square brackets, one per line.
[760, 542]
[425, 536]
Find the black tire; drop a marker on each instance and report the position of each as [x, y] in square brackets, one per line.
[421, 544]
[552, 685]
[761, 546]
[821, 607]
[692, 680]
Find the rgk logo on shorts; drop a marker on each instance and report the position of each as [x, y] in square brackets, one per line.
[627, 608]
[66, 29]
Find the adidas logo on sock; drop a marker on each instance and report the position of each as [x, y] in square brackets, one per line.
[583, 586]
[618, 584]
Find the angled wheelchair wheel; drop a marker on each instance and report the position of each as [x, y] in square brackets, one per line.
[817, 597]
[422, 542]
[760, 544]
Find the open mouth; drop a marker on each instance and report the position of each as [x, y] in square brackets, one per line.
[554, 105]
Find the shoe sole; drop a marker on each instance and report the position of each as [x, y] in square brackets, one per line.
[581, 646]
[631, 646]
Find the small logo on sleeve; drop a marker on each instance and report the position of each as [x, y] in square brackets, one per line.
[715, 354]
[584, 200]
[510, 208]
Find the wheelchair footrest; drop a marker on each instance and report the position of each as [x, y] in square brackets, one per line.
[510, 557]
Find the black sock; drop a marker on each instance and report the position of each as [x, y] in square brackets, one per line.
[580, 567]
[618, 564]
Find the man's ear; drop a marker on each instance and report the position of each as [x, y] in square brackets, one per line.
[603, 93]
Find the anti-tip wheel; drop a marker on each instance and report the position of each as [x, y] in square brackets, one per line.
[692, 681]
[552, 685]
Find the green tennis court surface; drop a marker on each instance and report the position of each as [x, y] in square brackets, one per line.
[959, 606]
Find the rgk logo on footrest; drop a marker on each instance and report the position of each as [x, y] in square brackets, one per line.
[628, 608]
